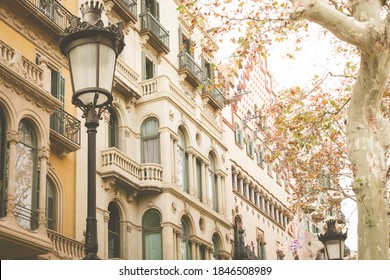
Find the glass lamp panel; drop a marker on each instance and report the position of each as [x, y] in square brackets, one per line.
[107, 58]
[89, 98]
[83, 62]
[333, 248]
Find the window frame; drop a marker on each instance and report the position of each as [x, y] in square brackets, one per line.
[114, 232]
[144, 139]
[151, 230]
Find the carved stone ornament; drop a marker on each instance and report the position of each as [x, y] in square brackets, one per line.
[174, 207]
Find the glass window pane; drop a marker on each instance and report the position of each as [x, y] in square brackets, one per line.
[151, 219]
[150, 141]
[152, 235]
[113, 130]
[25, 179]
[50, 205]
[113, 231]
[153, 246]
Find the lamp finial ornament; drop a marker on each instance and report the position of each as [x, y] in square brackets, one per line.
[91, 11]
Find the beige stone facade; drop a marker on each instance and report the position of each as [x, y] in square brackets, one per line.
[172, 183]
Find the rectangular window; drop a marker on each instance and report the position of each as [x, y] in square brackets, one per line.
[185, 44]
[57, 122]
[147, 68]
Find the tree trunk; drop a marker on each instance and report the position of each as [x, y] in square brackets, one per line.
[368, 141]
[368, 131]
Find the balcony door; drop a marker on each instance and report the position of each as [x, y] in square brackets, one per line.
[151, 6]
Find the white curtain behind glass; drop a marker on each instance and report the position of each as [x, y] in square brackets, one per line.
[150, 141]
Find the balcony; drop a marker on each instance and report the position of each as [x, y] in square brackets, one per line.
[192, 71]
[126, 9]
[65, 248]
[50, 16]
[126, 80]
[130, 175]
[19, 243]
[158, 36]
[213, 95]
[64, 133]
[26, 76]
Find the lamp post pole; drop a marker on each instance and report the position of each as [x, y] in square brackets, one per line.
[91, 243]
[92, 50]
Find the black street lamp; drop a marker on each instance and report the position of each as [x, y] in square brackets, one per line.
[92, 50]
[333, 240]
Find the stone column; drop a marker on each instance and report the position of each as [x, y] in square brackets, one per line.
[262, 202]
[241, 185]
[166, 156]
[103, 246]
[191, 173]
[193, 249]
[43, 156]
[204, 183]
[13, 139]
[223, 194]
[173, 161]
[168, 244]
[266, 206]
[219, 193]
[234, 181]
[208, 253]
[178, 238]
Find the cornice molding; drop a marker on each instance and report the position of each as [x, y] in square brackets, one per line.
[50, 49]
[13, 82]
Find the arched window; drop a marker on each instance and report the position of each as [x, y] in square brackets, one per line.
[3, 164]
[113, 130]
[114, 231]
[150, 141]
[260, 157]
[212, 184]
[182, 163]
[26, 177]
[51, 204]
[216, 250]
[238, 134]
[185, 244]
[249, 146]
[152, 237]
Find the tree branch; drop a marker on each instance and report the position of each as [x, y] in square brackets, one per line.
[342, 26]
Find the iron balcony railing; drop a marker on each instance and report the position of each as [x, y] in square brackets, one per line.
[187, 62]
[126, 9]
[150, 24]
[26, 217]
[66, 125]
[54, 11]
[214, 92]
[130, 5]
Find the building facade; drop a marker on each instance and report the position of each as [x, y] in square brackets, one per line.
[172, 181]
[260, 189]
